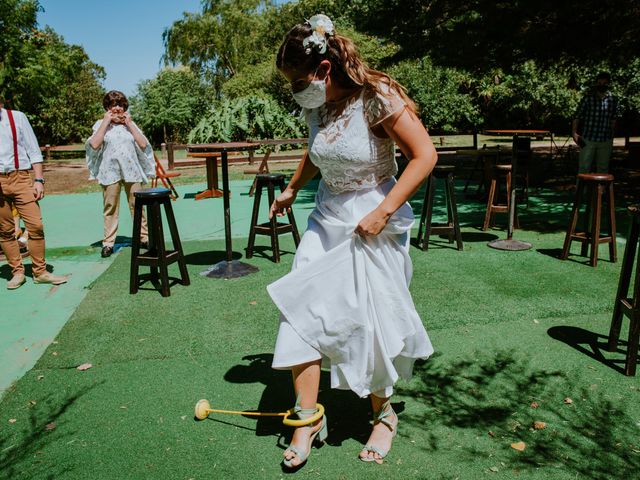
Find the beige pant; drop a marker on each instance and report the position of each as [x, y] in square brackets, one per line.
[111, 196]
[17, 188]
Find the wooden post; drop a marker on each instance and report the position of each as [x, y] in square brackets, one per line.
[170, 163]
[47, 152]
[475, 139]
[163, 151]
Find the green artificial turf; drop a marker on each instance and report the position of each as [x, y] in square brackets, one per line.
[509, 329]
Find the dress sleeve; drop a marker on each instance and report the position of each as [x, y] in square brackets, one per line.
[146, 159]
[381, 105]
[93, 156]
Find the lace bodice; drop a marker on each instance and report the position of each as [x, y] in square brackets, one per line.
[348, 154]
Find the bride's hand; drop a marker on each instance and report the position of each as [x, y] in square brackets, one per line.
[282, 203]
[372, 224]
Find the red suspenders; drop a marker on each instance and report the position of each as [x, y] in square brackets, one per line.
[15, 139]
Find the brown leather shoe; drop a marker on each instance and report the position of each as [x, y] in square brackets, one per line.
[50, 278]
[16, 281]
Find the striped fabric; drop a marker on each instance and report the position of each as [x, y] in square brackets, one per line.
[595, 115]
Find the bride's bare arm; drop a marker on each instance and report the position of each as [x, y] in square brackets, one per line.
[305, 172]
[406, 129]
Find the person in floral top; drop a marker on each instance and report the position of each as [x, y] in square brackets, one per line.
[118, 156]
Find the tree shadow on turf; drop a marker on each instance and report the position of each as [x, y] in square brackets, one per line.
[443, 241]
[22, 447]
[348, 416]
[498, 396]
[591, 344]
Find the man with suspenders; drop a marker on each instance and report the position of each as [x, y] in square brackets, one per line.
[19, 153]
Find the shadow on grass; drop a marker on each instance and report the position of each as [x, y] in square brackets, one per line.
[22, 452]
[593, 345]
[550, 252]
[478, 237]
[348, 416]
[492, 395]
[209, 257]
[444, 242]
[147, 282]
[264, 251]
[6, 273]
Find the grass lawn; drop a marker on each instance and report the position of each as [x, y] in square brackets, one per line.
[519, 338]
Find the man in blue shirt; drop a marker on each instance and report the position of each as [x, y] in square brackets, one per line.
[596, 118]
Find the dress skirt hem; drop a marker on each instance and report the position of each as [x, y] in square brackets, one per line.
[346, 300]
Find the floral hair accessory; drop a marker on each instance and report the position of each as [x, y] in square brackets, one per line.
[321, 25]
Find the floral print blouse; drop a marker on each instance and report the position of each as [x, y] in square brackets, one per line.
[119, 158]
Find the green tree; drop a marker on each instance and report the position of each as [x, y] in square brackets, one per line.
[18, 18]
[529, 96]
[439, 92]
[58, 86]
[252, 117]
[168, 106]
[483, 34]
[220, 40]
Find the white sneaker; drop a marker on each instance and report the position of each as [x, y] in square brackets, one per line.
[50, 278]
[16, 281]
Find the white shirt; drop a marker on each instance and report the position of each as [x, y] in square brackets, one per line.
[28, 149]
[119, 157]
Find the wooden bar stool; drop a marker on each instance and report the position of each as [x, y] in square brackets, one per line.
[157, 257]
[272, 228]
[597, 185]
[498, 173]
[625, 305]
[452, 227]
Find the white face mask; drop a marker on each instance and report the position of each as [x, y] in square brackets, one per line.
[313, 96]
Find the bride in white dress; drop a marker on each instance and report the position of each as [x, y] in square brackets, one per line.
[346, 305]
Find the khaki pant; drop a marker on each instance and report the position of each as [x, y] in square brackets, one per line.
[595, 152]
[16, 188]
[111, 196]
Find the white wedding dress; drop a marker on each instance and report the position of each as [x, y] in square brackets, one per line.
[346, 300]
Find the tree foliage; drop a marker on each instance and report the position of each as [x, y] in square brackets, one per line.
[481, 34]
[243, 118]
[58, 86]
[54, 83]
[170, 105]
[439, 94]
[529, 96]
[220, 40]
[18, 18]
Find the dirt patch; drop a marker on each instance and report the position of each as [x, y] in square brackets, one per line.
[71, 177]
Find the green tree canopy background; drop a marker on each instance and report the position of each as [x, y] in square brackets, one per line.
[468, 65]
[54, 83]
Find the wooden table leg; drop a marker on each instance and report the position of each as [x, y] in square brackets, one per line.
[212, 190]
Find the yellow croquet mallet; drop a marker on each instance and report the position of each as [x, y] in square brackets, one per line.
[203, 409]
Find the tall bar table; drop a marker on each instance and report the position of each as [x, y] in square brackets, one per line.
[511, 243]
[228, 268]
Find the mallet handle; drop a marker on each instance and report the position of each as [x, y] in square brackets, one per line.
[257, 414]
